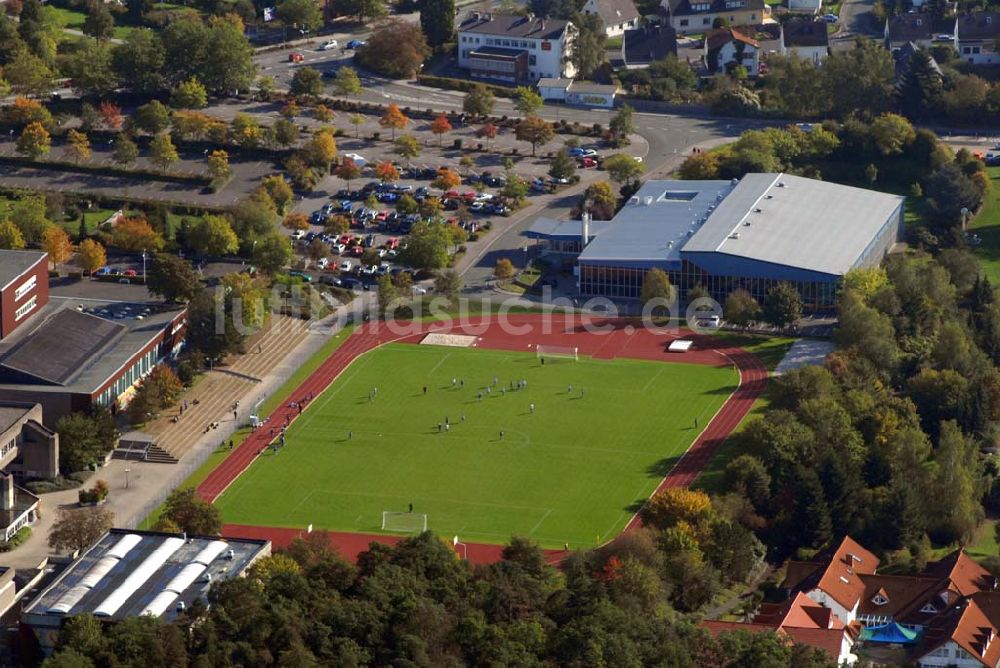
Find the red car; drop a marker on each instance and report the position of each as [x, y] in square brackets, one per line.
[345, 239]
[130, 273]
[451, 194]
[295, 57]
[588, 162]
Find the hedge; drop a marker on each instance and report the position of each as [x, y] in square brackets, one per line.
[23, 534]
[105, 170]
[464, 85]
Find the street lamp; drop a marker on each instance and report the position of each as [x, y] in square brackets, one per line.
[143, 266]
[127, 470]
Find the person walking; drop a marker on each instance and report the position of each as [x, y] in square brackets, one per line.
[425, 389]
[350, 436]
[531, 407]
[234, 416]
[462, 383]
[480, 396]
[569, 390]
[503, 391]
[446, 420]
[454, 381]
[411, 506]
[439, 427]
[462, 417]
[501, 434]
[447, 427]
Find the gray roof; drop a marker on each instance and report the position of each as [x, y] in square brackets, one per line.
[120, 554]
[978, 25]
[591, 87]
[908, 27]
[815, 225]
[11, 413]
[653, 226]
[805, 32]
[14, 263]
[648, 43]
[551, 228]
[140, 323]
[60, 346]
[616, 12]
[486, 23]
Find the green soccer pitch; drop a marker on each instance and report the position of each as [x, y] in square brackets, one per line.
[571, 472]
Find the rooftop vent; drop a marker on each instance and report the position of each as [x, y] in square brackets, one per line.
[844, 580]
[634, 200]
[649, 200]
[746, 223]
[781, 184]
[758, 210]
[735, 181]
[768, 196]
[734, 235]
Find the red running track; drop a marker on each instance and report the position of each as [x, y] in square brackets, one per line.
[522, 332]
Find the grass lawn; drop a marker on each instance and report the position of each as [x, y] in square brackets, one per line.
[987, 226]
[574, 471]
[770, 351]
[276, 399]
[74, 18]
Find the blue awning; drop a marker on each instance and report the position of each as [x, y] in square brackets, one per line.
[891, 633]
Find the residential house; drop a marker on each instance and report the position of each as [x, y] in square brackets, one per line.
[800, 620]
[616, 16]
[962, 637]
[976, 36]
[904, 28]
[727, 48]
[807, 6]
[833, 577]
[648, 43]
[805, 38]
[515, 49]
[698, 16]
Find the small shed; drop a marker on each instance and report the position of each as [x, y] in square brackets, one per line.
[553, 89]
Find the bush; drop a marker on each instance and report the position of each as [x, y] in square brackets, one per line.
[23, 534]
[104, 170]
[463, 85]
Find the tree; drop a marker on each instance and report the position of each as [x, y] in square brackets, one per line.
[278, 190]
[741, 308]
[622, 124]
[535, 131]
[347, 170]
[347, 81]
[562, 166]
[479, 101]
[111, 115]
[783, 305]
[213, 235]
[387, 294]
[892, 133]
[363, 8]
[321, 150]
[386, 171]
[427, 246]
[588, 45]
[921, 90]
[172, 278]
[10, 236]
[527, 101]
[78, 145]
[85, 439]
[24, 110]
[516, 188]
[437, 21]
[622, 168]
[317, 250]
[28, 74]
[34, 141]
[295, 221]
[76, 530]
[448, 284]
[674, 505]
[29, 214]
[656, 291]
[307, 82]
[859, 80]
[218, 164]
[56, 242]
[504, 269]
[140, 61]
[228, 64]
[357, 120]
[489, 131]
[90, 256]
[446, 179]
[948, 191]
[408, 146]
[189, 94]
[191, 514]
[303, 14]
[99, 24]
[152, 117]
[162, 152]
[124, 151]
[441, 126]
[135, 234]
[90, 68]
[272, 253]
[700, 166]
[285, 132]
[395, 49]
[394, 119]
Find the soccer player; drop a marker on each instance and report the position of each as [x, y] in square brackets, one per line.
[531, 407]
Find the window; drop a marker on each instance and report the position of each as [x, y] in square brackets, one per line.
[879, 599]
[753, 17]
[26, 309]
[684, 23]
[532, 60]
[706, 22]
[25, 287]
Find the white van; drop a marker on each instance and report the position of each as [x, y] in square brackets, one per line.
[322, 263]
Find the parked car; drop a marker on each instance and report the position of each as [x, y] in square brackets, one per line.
[322, 263]
[354, 44]
[295, 57]
[345, 266]
[298, 234]
[306, 278]
[105, 271]
[586, 163]
[338, 248]
[831, 18]
[944, 37]
[326, 46]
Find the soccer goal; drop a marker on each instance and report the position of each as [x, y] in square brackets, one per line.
[557, 352]
[404, 522]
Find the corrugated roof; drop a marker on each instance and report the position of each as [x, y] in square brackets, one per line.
[804, 223]
[657, 221]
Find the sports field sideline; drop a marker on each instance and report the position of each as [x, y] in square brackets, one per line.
[572, 472]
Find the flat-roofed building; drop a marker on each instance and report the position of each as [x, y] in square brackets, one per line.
[134, 573]
[24, 287]
[515, 49]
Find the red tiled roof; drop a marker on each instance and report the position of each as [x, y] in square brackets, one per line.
[800, 612]
[968, 627]
[966, 576]
[842, 578]
[828, 640]
[905, 595]
[716, 38]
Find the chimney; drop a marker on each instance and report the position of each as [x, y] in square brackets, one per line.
[6, 492]
[584, 229]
